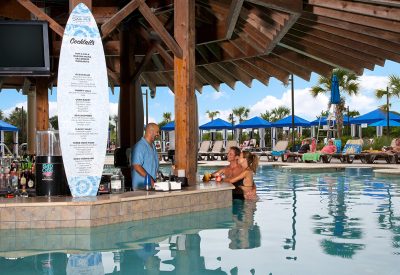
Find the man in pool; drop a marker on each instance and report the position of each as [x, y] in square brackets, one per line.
[233, 169]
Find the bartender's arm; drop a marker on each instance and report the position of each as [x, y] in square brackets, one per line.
[140, 170]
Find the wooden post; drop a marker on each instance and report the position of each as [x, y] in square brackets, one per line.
[73, 3]
[42, 104]
[31, 136]
[130, 107]
[185, 98]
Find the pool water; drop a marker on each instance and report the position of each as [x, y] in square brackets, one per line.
[342, 222]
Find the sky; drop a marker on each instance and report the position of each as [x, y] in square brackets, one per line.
[258, 98]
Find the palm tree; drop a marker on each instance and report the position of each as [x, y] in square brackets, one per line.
[267, 116]
[241, 113]
[392, 90]
[167, 117]
[348, 83]
[279, 113]
[212, 114]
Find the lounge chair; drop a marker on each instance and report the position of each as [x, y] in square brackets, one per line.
[204, 149]
[277, 151]
[216, 150]
[351, 151]
[389, 155]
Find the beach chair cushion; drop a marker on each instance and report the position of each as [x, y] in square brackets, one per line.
[338, 144]
[277, 153]
[352, 149]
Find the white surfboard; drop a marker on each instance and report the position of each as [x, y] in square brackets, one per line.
[82, 102]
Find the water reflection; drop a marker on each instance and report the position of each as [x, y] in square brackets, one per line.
[145, 247]
[86, 263]
[245, 233]
[290, 243]
[338, 223]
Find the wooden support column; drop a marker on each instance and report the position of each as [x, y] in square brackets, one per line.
[31, 136]
[130, 107]
[186, 122]
[42, 104]
[73, 3]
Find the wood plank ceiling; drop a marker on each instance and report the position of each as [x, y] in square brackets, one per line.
[237, 40]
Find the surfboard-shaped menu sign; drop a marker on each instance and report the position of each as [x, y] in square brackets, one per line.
[82, 102]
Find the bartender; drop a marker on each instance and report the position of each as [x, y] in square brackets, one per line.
[145, 158]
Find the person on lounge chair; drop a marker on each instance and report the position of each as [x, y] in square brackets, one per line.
[305, 148]
[393, 149]
[330, 148]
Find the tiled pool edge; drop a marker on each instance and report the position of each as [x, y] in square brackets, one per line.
[131, 206]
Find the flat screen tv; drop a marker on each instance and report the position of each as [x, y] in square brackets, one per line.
[24, 48]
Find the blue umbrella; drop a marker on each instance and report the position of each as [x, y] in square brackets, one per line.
[170, 126]
[392, 123]
[255, 122]
[335, 96]
[4, 126]
[216, 124]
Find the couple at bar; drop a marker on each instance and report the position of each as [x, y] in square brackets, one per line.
[240, 172]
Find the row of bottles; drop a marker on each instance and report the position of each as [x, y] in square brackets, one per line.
[17, 177]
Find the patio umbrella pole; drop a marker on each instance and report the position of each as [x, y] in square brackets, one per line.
[387, 111]
[293, 136]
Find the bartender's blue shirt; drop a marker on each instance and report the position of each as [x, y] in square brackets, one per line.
[146, 156]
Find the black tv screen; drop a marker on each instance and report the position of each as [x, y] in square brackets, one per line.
[24, 48]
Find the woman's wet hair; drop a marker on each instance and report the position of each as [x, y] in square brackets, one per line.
[252, 160]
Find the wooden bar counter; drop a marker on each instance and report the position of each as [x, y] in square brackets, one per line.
[64, 212]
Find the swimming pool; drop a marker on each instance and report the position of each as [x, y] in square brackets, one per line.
[343, 222]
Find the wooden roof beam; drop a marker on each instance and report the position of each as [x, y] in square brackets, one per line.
[149, 81]
[224, 76]
[372, 53]
[233, 16]
[238, 73]
[113, 75]
[117, 18]
[354, 36]
[390, 3]
[42, 16]
[359, 8]
[163, 53]
[342, 54]
[368, 61]
[12, 9]
[291, 6]
[144, 62]
[354, 27]
[374, 22]
[210, 78]
[334, 59]
[270, 69]
[160, 29]
[292, 68]
[303, 60]
[253, 70]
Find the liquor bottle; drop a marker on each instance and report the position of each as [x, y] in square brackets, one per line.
[24, 193]
[31, 179]
[22, 181]
[10, 193]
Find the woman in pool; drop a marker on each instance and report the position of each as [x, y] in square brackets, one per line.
[249, 163]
